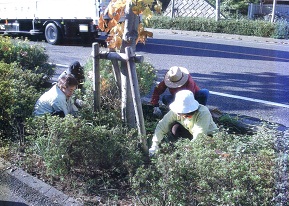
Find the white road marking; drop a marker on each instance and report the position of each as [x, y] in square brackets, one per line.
[60, 65]
[250, 99]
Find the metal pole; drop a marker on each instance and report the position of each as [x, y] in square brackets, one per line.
[173, 9]
[217, 10]
[273, 11]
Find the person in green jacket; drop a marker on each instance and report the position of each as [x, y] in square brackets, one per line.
[186, 118]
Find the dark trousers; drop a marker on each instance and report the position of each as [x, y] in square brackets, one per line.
[179, 131]
[58, 113]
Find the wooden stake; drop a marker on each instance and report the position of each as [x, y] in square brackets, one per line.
[96, 77]
[136, 97]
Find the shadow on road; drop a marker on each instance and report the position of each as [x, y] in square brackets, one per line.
[9, 203]
[190, 48]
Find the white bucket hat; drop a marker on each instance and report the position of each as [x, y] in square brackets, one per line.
[176, 77]
[184, 102]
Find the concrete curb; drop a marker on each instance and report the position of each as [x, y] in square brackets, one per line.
[282, 185]
[31, 189]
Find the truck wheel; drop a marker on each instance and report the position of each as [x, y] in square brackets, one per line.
[52, 34]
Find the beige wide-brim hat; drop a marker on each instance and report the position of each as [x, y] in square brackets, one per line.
[176, 77]
[184, 102]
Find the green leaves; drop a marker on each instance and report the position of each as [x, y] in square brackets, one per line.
[224, 170]
[69, 143]
[240, 26]
[18, 95]
[28, 56]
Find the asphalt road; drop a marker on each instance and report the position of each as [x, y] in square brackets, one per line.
[8, 198]
[245, 75]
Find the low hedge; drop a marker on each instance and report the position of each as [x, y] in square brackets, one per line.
[28, 56]
[18, 92]
[247, 27]
[24, 69]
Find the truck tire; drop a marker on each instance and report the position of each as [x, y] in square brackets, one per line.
[52, 34]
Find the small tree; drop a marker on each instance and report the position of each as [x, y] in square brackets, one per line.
[131, 30]
[124, 34]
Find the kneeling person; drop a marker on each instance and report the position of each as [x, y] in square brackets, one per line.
[57, 100]
[186, 118]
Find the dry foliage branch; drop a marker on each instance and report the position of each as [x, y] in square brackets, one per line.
[115, 25]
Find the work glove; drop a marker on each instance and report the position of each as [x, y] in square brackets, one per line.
[157, 112]
[79, 103]
[153, 150]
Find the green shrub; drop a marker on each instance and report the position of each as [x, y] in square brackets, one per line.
[223, 170]
[23, 69]
[146, 77]
[240, 26]
[67, 144]
[281, 29]
[18, 96]
[110, 93]
[28, 56]
[160, 22]
[264, 28]
[94, 143]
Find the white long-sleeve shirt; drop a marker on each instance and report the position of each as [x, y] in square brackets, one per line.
[200, 123]
[52, 101]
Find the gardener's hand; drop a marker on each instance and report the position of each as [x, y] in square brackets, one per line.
[79, 103]
[157, 112]
[153, 150]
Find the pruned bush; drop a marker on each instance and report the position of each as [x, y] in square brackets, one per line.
[282, 29]
[18, 95]
[24, 69]
[229, 26]
[221, 170]
[70, 144]
[28, 56]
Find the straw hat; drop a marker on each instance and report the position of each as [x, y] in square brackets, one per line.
[184, 102]
[176, 77]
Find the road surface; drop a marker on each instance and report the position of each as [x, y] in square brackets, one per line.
[245, 75]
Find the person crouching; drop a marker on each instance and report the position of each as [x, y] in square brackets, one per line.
[187, 118]
[57, 100]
